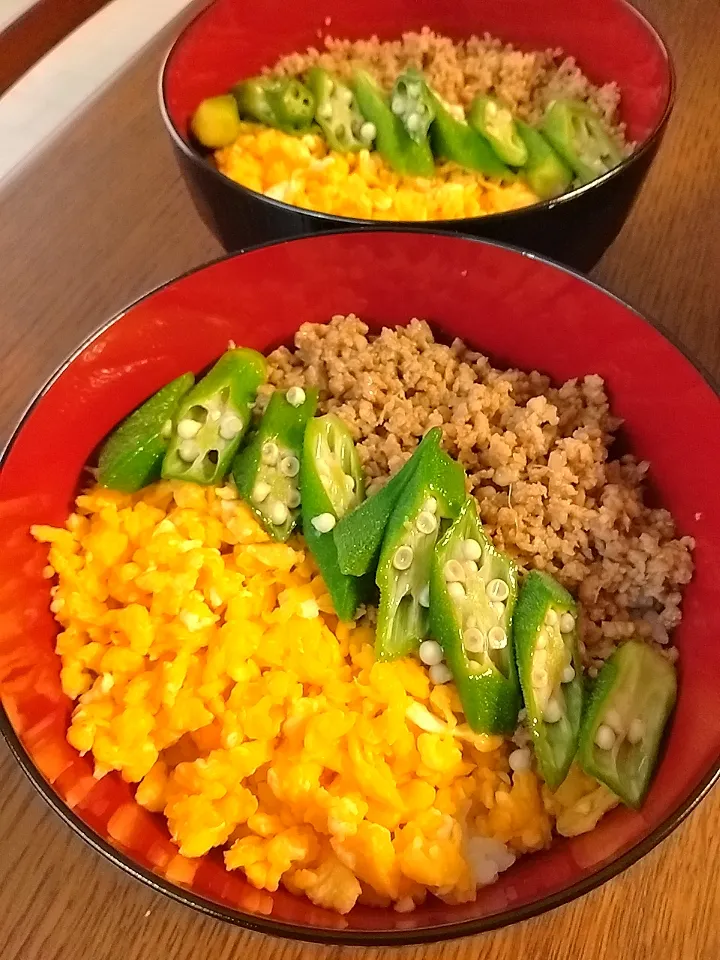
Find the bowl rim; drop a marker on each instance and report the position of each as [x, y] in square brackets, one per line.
[325, 935]
[508, 216]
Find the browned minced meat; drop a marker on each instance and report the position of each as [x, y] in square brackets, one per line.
[536, 457]
[458, 71]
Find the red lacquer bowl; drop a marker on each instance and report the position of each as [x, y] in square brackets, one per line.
[230, 40]
[519, 310]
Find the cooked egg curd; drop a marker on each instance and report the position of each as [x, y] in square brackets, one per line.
[209, 669]
[304, 172]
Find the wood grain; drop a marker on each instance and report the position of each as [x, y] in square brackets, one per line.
[30, 37]
[102, 218]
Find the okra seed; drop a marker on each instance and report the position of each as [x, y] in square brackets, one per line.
[398, 105]
[413, 89]
[470, 623]
[497, 638]
[471, 549]
[552, 712]
[349, 483]
[473, 640]
[498, 590]
[270, 453]
[187, 429]
[278, 513]
[403, 558]
[430, 653]
[430, 505]
[323, 523]
[551, 617]
[166, 430]
[456, 591]
[539, 677]
[413, 122]
[214, 416]
[290, 466]
[230, 426]
[426, 522]
[605, 737]
[519, 760]
[636, 731]
[295, 395]
[188, 451]
[293, 499]
[324, 111]
[567, 623]
[568, 675]
[368, 132]
[345, 95]
[499, 609]
[541, 641]
[260, 491]
[439, 674]
[453, 571]
[424, 597]
[470, 568]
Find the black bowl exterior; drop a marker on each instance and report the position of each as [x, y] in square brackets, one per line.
[575, 230]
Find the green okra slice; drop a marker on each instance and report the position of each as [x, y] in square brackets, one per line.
[284, 103]
[494, 120]
[581, 138]
[412, 102]
[392, 141]
[213, 417]
[358, 535]
[337, 113]
[546, 646]
[623, 726]
[452, 138]
[473, 589]
[431, 499]
[546, 173]
[293, 105]
[332, 484]
[267, 469]
[132, 456]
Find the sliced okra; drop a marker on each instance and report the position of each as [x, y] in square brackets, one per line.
[622, 730]
[213, 417]
[472, 598]
[332, 484]
[546, 644]
[132, 455]
[267, 470]
[431, 499]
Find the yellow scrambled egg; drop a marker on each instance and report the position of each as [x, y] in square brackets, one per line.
[209, 669]
[304, 172]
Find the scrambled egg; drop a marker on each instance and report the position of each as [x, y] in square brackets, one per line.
[304, 172]
[209, 670]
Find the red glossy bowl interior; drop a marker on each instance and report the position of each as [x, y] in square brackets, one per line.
[610, 40]
[518, 310]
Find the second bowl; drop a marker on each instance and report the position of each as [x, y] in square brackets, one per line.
[612, 42]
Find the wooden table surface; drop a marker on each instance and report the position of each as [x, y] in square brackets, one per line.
[103, 217]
